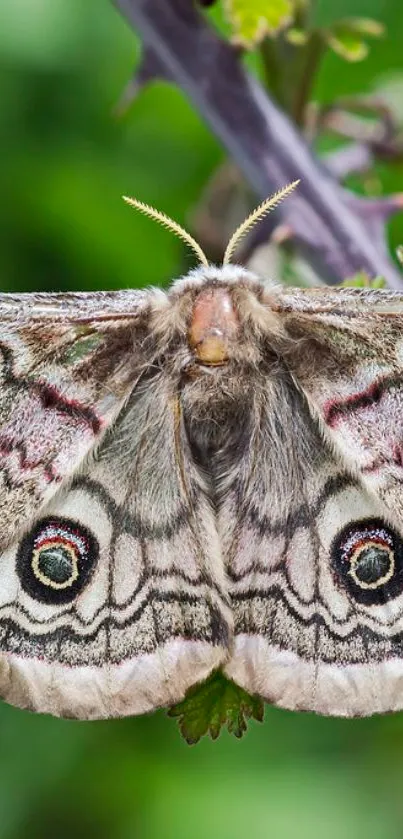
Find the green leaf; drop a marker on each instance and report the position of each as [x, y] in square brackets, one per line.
[213, 704]
[365, 26]
[253, 20]
[399, 254]
[347, 45]
[363, 280]
[296, 37]
[346, 37]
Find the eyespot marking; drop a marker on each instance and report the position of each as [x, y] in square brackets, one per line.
[56, 559]
[367, 558]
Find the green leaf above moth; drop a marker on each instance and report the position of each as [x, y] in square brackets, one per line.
[347, 37]
[253, 20]
[216, 703]
[297, 36]
[363, 280]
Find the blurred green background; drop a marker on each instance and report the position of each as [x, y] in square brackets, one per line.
[65, 161]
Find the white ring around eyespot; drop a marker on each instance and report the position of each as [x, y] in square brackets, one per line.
[45, 580]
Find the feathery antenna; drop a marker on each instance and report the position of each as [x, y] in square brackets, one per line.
[170, 224]
[254, 217]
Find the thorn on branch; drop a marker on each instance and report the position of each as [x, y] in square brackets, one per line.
[354, 157]
[150, 69]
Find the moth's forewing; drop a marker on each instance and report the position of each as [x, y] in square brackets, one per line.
[351, 370]
[67, 366]
[111, 596]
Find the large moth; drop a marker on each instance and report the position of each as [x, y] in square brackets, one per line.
[209, 477]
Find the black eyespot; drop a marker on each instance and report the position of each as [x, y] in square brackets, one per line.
[56, 559]
[367, 557]
[57, 566]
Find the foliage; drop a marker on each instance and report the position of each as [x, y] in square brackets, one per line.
[252, 20]
[362, 280]
[348, 37]
[216, 703]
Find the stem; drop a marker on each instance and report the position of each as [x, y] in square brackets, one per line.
[272, 69]
[313, 54]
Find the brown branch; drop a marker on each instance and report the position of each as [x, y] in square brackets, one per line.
[263, 142]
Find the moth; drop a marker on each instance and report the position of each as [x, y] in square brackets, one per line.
[209, 477]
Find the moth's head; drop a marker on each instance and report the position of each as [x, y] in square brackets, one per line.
[220, 312]
[210, 298]
[213, 326]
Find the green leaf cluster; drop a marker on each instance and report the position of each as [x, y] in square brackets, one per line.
[348, 38]
[363, 280]
[216, 703]
[251, 21]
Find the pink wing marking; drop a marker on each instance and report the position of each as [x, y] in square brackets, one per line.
[33, 452]
[51, 398]
[335, 409]
[7, 446]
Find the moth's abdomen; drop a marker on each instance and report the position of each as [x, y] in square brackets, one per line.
[214, 325]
